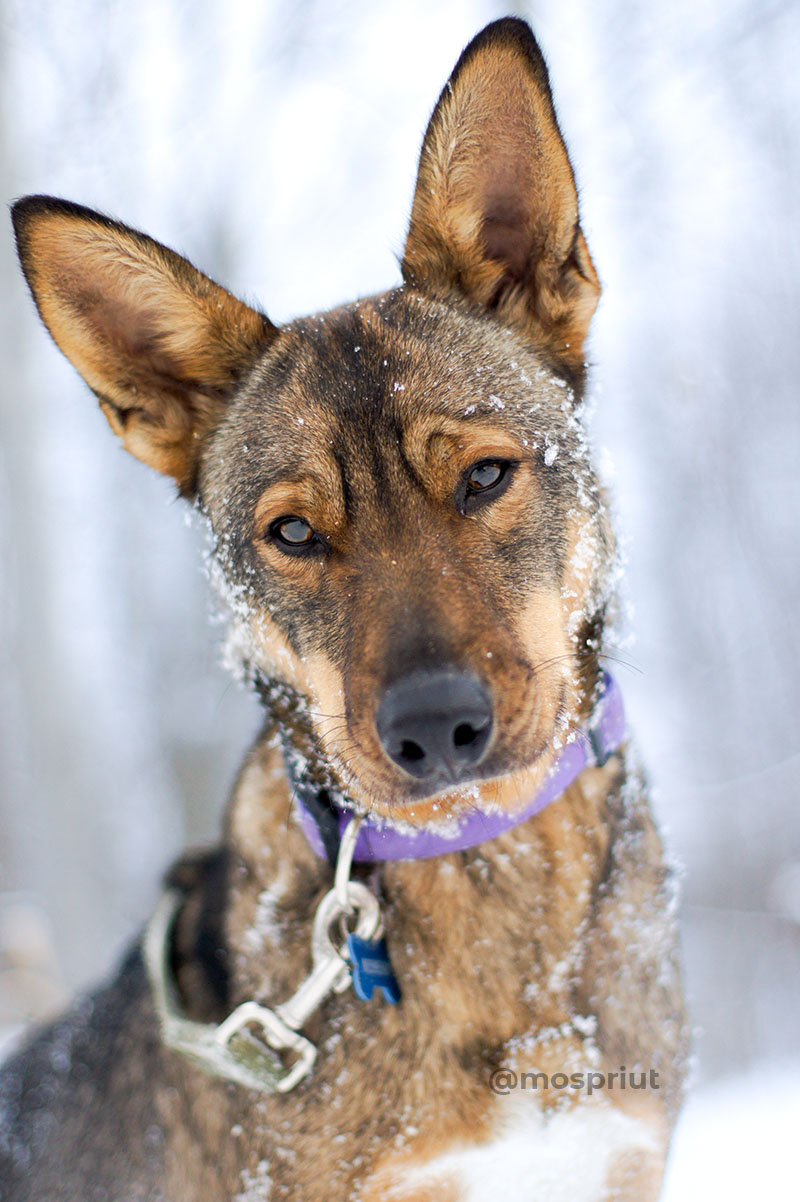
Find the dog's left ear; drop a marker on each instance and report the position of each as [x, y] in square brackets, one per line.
[159, 343]
[495, 213]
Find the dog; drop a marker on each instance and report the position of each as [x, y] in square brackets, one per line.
[434, 955]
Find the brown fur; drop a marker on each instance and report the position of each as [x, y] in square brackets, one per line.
[549, 948]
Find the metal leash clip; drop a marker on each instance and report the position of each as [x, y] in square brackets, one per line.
[230, 1050]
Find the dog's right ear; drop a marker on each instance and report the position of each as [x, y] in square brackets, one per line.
[160, 344]
[495, 213]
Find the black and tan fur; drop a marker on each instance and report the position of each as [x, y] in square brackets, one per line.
[550, 947]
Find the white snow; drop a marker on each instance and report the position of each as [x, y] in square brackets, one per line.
[737, 1139]
[256, 1184]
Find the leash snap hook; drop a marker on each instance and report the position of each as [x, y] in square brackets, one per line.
[231, 1050]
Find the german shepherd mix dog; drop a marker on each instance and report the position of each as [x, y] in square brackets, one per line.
[434, 954]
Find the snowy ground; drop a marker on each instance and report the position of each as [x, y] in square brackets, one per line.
[737, 1139]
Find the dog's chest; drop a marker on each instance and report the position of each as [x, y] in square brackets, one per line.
[487, 949]
[575, 1153]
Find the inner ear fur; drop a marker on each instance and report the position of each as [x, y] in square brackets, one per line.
[495, 211]
[160, 344]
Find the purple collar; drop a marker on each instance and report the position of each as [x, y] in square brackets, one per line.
[379, 840]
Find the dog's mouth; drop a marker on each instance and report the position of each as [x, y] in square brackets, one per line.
[436, 750]
[436, 802]
[444, 768]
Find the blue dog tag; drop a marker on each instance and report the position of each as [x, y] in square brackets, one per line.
[371, 969]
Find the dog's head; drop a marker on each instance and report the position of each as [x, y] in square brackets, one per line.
[404, 512]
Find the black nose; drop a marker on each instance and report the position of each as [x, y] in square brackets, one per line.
[435, 724]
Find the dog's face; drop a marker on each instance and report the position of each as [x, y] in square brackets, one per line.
[405, 517]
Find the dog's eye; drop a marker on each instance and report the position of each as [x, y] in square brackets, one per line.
[485, 481]
[292, 533]
[485, 475]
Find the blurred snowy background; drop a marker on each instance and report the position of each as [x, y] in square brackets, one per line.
[275, 144]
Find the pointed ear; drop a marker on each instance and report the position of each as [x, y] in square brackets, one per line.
[495, 213]
[161, 345]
